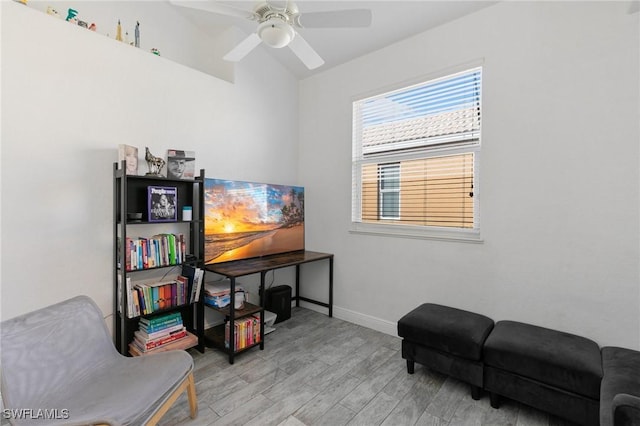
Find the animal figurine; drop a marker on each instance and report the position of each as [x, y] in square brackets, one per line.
[51, 11]
[154, 163]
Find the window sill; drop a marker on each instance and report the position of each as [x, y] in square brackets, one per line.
[417, 232]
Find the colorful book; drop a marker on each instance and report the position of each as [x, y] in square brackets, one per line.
[141, 299]
[183, 288]
[159, 342]
[162, 203]
[186, 342]
[171, 244]
[160, 327]
[158, 335]
[161, 319]
[198, 280]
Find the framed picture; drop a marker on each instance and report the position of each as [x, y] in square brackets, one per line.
[129, 154]
[181, 164]
[163, 202]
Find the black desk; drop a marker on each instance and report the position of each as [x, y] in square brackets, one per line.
[262, 265]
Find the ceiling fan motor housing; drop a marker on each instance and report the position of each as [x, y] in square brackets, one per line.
[276, 32]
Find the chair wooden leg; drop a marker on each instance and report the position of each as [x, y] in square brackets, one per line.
[193, 399]
[188, 385]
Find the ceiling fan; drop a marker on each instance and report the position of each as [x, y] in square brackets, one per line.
[277, 23]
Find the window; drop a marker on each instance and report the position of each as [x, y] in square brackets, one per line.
[415, 158]
[389, 184]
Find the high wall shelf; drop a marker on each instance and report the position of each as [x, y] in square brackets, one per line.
[214, 337]
[130, 194]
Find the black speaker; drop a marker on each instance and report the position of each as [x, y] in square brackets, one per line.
[278, 300]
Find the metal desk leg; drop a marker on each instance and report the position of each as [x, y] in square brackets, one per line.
[261, 291]
[330, 286]
[297, 286]
[232, 318]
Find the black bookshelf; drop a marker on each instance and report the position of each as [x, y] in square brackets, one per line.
[130, 195]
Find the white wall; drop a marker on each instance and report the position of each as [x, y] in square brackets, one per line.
[559, 180]
[69, 97]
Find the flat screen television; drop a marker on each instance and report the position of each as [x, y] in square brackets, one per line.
[244, 220]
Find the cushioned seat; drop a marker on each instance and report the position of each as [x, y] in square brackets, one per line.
[548, 369]
[61, 359]
[620, 390]
[450, 330]
[446, 339]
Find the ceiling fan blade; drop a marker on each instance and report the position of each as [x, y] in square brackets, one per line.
[354, 18]
[243, 49]
[215, 7]
[305, 52]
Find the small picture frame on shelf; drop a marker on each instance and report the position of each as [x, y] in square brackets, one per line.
[181, 164]
[129, 154]
[163, 201]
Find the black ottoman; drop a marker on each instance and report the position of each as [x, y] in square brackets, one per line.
[447, 340]
[556, 372]
[620, 389]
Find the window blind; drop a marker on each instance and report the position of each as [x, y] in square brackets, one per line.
[403, 168]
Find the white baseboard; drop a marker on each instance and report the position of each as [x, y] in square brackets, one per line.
[374, 323]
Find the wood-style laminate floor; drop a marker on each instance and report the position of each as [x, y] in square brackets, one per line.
[316, 370]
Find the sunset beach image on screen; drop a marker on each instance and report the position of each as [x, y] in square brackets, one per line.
[248, 219]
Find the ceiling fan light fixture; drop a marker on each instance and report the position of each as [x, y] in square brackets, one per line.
[276, 33]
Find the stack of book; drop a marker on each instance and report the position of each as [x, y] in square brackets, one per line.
[218, 294]
[247, 332]
[161, 333]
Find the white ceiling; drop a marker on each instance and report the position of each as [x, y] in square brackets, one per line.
[392, 21]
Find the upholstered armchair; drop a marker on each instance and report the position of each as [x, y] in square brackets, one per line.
[59, 366]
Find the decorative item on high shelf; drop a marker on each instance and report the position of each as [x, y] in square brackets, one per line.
[51, 11]
[137, 35]
[181, 164]
[154, 163]
[71, 15]
[119, 31]
[130, 154]
[162, 204]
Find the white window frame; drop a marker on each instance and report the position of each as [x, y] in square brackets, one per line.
[415, 231]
